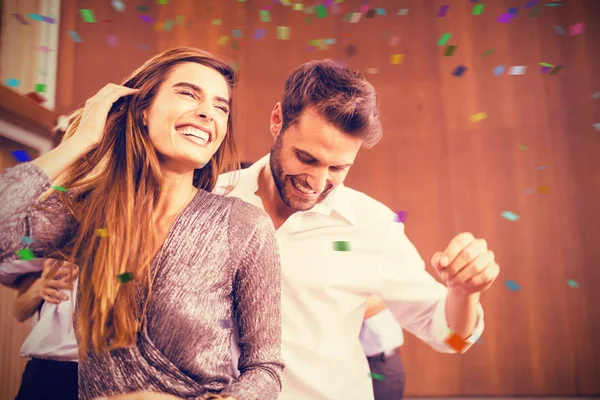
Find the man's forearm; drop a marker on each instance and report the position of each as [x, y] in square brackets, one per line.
[28, 299]
[374, 306]
[461, 312]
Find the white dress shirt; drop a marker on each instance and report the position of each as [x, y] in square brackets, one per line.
[52, 337]
[324, 292]
[381, 333]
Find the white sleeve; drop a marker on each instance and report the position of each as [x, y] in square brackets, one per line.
[10, 271]
[415, 298]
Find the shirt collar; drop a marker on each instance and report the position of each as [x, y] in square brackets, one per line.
[336, 202]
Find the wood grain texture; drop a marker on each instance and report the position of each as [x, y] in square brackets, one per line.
[451, 174]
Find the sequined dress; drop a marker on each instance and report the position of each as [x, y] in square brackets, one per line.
[219, 261]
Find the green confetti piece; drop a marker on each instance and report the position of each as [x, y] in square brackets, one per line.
[444, 39]
[488, 52]
[379, 377]
[341, 246]
[543, 64]
[180, 19]
[321, 12]
[556, 69]
[217, 22]
[168, 25]
[265, 16]
[522, 147]
[40, 88]
[509, 215]
[26, 254]
[142, 8]
[298, 7]
[59, 188]
[125, 277]
[572, 283]
[535, 11]
[478, 9]
[449, 51]
[87, 15]
[283, 32]
[162, 1]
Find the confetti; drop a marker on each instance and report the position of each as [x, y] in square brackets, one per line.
[12, 82]
[40, 88]
[162, 1]
[102, 232]
[576, 29]
[572, 283]
[42, 18]
[265, 16]
[45, 49]
[20, 18]
[596, 95]
[543, 189]
[59, 188]
[370, 14]
[179, 20]
[401, 216]
[488, 52]
[559, 30]
[450, 50]
[298, 7]
[125, 277]
[394, 40]
[479, 116]
[87, 15]
[142, 8]
[535, 11]
[27, 240]
[236, 33]
[223, 39]
[597, 126]
[444, 39]
[341, 246]
[531, 4]
[517, 70]
[512, 11]
[528, 191]
[321, 12]
[443, 11]
[380, 11]
[259, 34]
[505, 18]
[118, 5]
[456, 342]
[478, 9]
[355, 18]
[522, 147]
[509, 215]
[512, 285]
[459, 71]
[498, 70]
[545, 69]
[20, 155]
[26, 254]
[403, 11]
[169, 24]
[112, 40]
[225, 323]
[283, 32]
[556, 69]
[351, 50]
[378, 377]
[75, 36]
[396, 59]
[146, 18]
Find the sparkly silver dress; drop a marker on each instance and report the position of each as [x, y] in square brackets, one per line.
[220, 261]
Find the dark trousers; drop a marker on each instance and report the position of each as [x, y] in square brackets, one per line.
[48, 380]
[391, 387]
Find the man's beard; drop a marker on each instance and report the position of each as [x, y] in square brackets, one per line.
[294, 202]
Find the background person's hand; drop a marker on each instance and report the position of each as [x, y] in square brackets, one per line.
[56, 275]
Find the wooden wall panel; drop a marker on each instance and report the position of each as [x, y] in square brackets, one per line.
[451, 174]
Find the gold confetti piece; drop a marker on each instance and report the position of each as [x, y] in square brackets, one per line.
[396, 59]
[223, 40]
[298, 7]
[283, 32]
[102, 232]
[543, 189]
[479, 116]
[217, 22]
[522, 147]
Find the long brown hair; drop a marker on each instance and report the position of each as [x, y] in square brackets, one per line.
[115, 187]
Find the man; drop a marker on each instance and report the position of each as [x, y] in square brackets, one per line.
[339, 246]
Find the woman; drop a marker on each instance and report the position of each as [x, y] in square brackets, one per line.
[163, 262]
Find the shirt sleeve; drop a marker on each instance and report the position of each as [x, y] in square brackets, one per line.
[46, 225]
[11, 271]
[257, 305]
[380, 333]
[415, 298]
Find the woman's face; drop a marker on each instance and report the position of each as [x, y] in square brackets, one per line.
[187, 120]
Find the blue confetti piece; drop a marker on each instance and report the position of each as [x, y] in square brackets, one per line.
[259, 34]
[596, 95]
[559, 30]
[75, 37]
[20, 155]
[512, 285]
[12, 82]
[531, 4]
[512, 11]
[380, 11]
[597, 126]
[499, 70]
[509, 215]
[236, 33]
[27, 240]
[459, 71]
[528, 191]
[572, 283]
[118, 5]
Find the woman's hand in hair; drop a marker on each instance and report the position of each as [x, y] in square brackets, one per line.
[93, 120]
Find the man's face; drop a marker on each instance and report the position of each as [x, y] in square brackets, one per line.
[310, 159]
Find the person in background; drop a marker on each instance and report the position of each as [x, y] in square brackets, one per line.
[339, 246]
[46, 292]
[162, 260]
